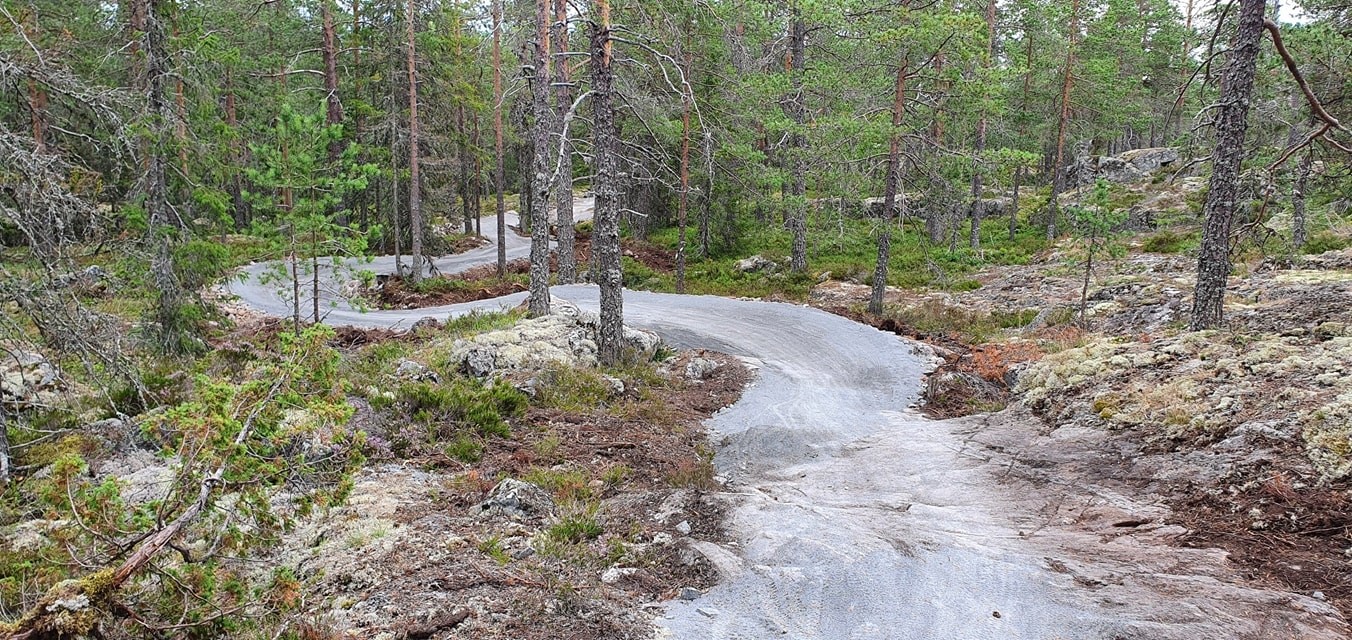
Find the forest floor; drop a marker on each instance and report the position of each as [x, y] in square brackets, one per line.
[483, 283]
[629, 495]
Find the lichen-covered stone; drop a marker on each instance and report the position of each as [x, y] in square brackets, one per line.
[1328, 437]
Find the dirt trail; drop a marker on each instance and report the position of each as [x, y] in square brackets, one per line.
[857, 518]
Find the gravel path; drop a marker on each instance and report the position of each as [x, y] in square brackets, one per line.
[855, 517]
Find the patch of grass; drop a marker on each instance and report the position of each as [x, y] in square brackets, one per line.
[965, 285]
[492, 547]
[1169, 241]
[934, 317]
[695, 474]
[567, 485]
[1013, 319]
[464, 402]
[1324, 241]
[847, 250]
[576, 528]
[464, 448]
[375, 359]
[573, 389]
[615, 475]
[547, 448]
[477, 321]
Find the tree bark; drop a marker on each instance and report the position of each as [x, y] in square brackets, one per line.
[796, 214]
[1298, 199]
[415, 218]
[606, 236]
[890, 182]
[1063, 121]
[684, 199]
[499, 173]
[978, 203]
[563, 97]
[163, 223]
[1232, 121]
[539, 182]
[236, 187]
[1183, 70]
[1014, 204]
[466, 209]
[477, 177]
[37, 106]
[333, 109]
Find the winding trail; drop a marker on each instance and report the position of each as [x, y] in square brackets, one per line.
[855, 517]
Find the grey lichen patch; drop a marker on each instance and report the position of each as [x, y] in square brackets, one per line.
[1328, 437]
[1198, 387]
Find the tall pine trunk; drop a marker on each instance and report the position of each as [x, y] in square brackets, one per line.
[890, 184]
[333, 109]
[563, 97]
[1063, 121]
[539, 181]
[684, 200]
[1222, 198]
[415, 218]
[164, 225]
[796, 214]
[606, 237]
[1298, 229]
[499, 173]
[979, 203]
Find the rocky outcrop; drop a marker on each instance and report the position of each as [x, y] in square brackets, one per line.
[1130, 166]
[27, 379]
[566, 337]
[756, 264]
[516, 499]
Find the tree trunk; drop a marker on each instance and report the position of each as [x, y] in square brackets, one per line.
[180, 114]
[37, 107]
[684, 200]
[1183, 70]
[333, 109]
[466, 209]
[415, 218]
[978, 203]
[1014, 205]
[875, 303]
[1232, 121]
[1088, 273]
[606, 237]
[236, 187]
[163, 224]
[539, 182]
[1063, 122]
[314, 274]
[477, 177]
[1298, 199]
[563, 96]
[796, 214]
[499, 173]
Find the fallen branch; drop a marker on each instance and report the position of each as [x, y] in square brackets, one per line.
[72, 607]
